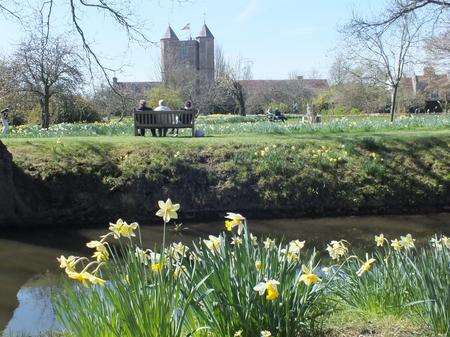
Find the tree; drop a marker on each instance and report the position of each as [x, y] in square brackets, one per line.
[229, 76]
[398, 10]
[47, 66]
[383, 52]
[438, 49]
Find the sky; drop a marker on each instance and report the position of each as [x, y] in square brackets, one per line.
[277, 37]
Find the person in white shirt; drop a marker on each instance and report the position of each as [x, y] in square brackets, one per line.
[5, 122]
[162, 132]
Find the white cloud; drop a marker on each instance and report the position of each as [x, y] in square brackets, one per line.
[249, 10]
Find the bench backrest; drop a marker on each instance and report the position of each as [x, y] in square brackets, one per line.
[178, 118]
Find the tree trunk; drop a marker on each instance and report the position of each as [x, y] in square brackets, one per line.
[45, 111]
[393, 101]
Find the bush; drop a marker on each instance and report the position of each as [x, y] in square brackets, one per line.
[74, 109]
[173, 98]
[282, 107]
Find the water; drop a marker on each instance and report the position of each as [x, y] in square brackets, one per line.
[28, 258]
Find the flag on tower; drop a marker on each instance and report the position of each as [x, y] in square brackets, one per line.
[187, 27]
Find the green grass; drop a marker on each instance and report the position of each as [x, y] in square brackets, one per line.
[216, 125]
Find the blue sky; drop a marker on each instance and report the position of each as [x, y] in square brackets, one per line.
[276, 36]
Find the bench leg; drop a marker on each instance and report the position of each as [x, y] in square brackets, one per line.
[193, 132]
[143, 132]
[136, 131]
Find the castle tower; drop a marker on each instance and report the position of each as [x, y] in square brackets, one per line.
[169, 52]
[206, 55]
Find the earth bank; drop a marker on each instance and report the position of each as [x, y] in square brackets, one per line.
[71, 181]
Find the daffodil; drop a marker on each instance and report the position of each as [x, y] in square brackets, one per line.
[407, 241]
[337, 249]
[445, 241]
[266, 333]
[213, 244]
[236, 240]
[365, 267]
[308, 277]
[397, 245]
[234, 220]
[258, 265]
[85, 277]
[379, 240]
[167, 210]
[253, 240]
[269, 244]
[67, 263]
[179, 270]
[142, 255]
[269, 288]
[101, 253]
[178, 250]
[156, 267]
[121, 228]
[238, 333]
[296, 245]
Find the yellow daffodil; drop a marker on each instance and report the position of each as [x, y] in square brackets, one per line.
[234, 220]
[101, 253]
[121, 228]
[258, 265]
[407, 241]
[337, 249]
[236, 240]
[295, 246]
[85, 277]
[269, 244]
[379, 240]
[178, 250]
[167, 210]
[397, 245]
[308, 277]
[445, 241]
[214, 243]
[365, 266]
[253, 240]
[142, 255]
[269, 288]
[67, 263]
[179, 270]
[156, 267]
[266, 333]
[238, 333]
[101, 256]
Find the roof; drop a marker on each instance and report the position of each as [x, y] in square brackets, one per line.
[205, 32]
[315, 84]
[136, 88]
[170, 34]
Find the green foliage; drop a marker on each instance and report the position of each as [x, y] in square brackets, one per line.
[172, 97]
[74, 109]
[280, 106]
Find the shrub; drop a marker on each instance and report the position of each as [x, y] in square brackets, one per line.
[74, 109]
[173, 98]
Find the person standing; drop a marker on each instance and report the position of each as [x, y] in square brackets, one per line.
[5, 122]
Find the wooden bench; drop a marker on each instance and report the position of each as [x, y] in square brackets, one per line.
[176, 119]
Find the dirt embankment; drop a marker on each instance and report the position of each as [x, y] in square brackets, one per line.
[89, 184]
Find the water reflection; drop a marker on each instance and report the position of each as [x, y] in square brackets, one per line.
[34, 315]
[25, 307]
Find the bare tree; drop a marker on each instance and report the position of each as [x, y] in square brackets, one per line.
[229, 77]
[397, 10]
[45, 66]
[120, 12]
[383, 52]
[438, 49]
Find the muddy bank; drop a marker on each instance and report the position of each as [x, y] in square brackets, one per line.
[86, 183]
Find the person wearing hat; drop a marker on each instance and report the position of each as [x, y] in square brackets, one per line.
[5, 122]
[162, 132]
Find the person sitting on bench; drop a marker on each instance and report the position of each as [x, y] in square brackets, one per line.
[143, 107]
[162, 132]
